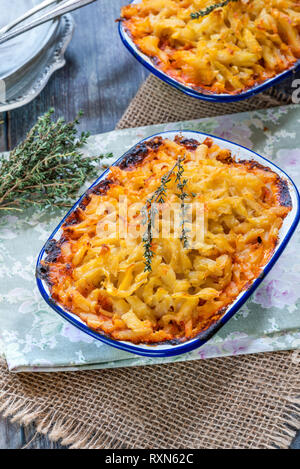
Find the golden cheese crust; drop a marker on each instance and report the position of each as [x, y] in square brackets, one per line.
[228, 51]
[100, 276]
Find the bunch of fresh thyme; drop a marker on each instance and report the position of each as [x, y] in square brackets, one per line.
[149, 212]
[208, 10]
[47, 169]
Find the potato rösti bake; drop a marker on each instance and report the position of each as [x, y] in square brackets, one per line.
[100, 275]
[229, 50]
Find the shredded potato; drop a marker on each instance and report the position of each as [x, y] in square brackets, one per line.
[231, 49]
[101, 277]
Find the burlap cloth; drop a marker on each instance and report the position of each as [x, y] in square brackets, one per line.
[240, 402]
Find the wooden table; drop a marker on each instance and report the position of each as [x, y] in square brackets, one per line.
[100, 78]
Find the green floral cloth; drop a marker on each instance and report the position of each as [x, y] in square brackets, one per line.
[34, 338]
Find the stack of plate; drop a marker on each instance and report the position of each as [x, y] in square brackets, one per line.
[28, 61]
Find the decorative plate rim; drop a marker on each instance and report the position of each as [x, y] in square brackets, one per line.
[57, 60]
[213, 97]
[172, 350]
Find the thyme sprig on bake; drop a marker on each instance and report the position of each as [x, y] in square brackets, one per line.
[149, 211]
[182, 196]
[47, 168]
[211, 8]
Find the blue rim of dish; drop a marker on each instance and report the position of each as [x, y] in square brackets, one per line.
[204, 336]
[143, 59]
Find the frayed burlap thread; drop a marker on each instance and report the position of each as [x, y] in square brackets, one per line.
[236, 402]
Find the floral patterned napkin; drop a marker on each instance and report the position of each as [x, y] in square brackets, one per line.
[34, 338]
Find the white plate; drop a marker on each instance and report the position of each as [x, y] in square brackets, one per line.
[25, 78]
[17, 52]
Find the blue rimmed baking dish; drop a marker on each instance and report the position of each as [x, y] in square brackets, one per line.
[204, 95]
[170, 349]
